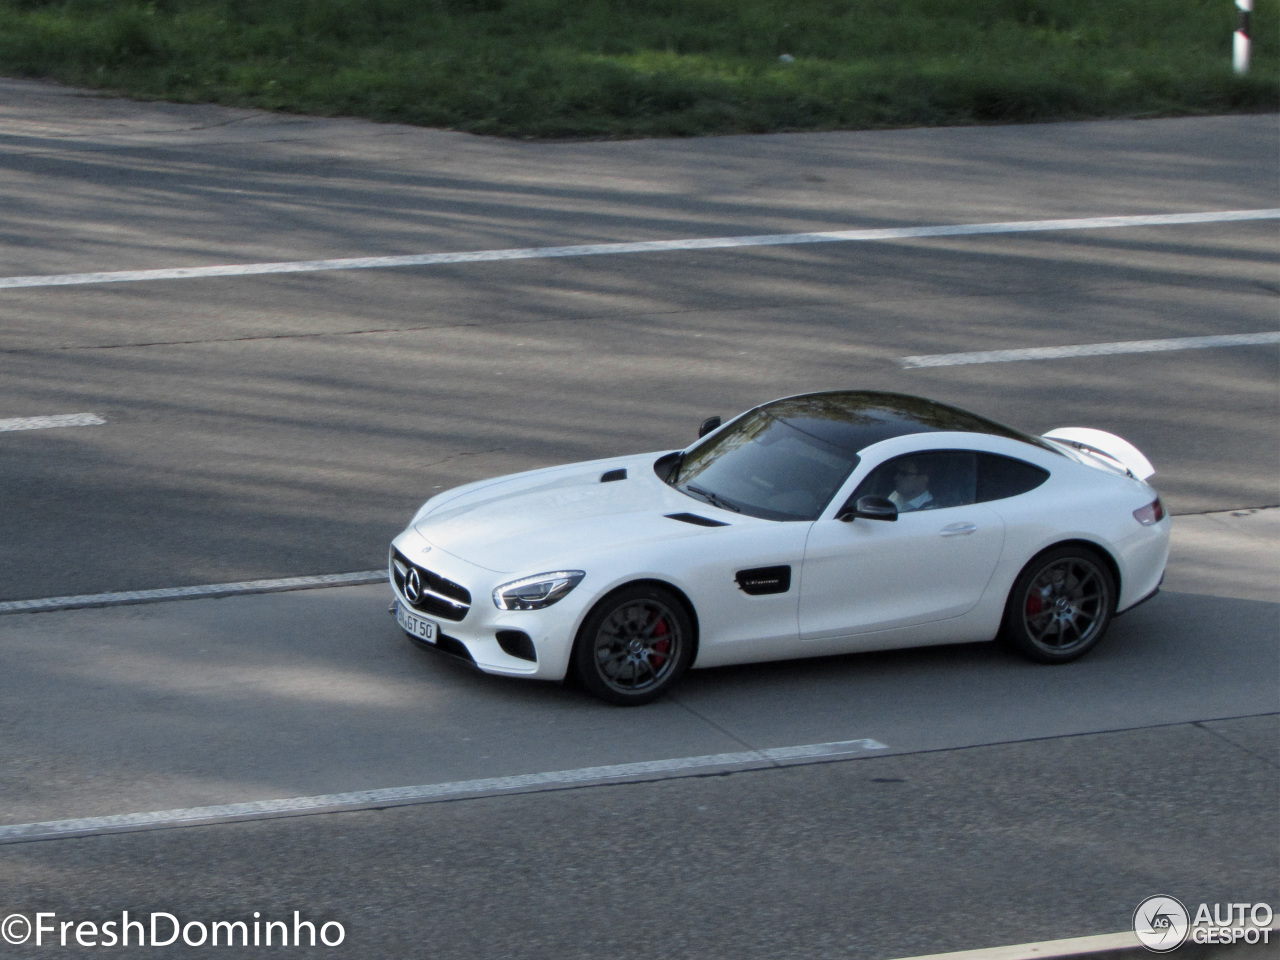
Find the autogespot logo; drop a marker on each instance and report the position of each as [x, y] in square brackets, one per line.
[1161, 924]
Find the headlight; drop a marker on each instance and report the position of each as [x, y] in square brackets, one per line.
[534, 593]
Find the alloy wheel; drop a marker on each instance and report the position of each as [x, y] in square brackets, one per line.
[637, 646]
[1066, 605]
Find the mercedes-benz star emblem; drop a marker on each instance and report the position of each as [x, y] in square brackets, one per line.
[413, 586]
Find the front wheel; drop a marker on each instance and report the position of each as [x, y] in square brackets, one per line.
[634, 645]
[1060, 606]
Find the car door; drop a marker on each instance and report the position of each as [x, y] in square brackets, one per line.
[932, 563]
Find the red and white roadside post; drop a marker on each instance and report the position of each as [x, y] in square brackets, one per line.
[1240, 58]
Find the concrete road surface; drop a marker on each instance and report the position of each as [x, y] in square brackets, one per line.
[992, 786]
[275, 425]
[247, 425]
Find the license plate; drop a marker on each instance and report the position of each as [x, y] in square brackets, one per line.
[416, 626]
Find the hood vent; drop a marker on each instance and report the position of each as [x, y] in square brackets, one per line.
[696, 520]
[610, 475]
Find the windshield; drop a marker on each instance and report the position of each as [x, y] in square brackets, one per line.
[765, 467]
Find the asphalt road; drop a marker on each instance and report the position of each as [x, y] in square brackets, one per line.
[876, 858]
[285, 425]
[1011, 803]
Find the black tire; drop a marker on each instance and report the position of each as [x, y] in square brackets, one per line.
[1060, 606]
[634, 645]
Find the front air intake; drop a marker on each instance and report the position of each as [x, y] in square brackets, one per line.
[517, 643]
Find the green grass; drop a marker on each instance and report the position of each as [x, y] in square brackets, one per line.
[613, 68]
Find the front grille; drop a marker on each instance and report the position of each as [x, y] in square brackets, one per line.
[438, 596]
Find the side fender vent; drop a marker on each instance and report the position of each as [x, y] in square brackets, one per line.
[610, 475]
[762, 580]
[696, 520]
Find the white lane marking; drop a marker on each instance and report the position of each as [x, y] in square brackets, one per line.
[1089, 350]
[1074, 947]
[46, 423]
[649, 246]
[1043, 950]
[401, 796]
[189, 593]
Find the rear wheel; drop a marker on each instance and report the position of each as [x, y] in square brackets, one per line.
[1060, 606]
[634, 645]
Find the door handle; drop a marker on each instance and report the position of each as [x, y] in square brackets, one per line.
[958, 529]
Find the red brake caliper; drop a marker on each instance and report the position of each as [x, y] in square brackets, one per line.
[661, 646]
[1035, 603]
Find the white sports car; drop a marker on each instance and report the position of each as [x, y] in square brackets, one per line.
[812, 525]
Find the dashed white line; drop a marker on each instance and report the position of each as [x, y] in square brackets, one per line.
[1089, 350]
[46, 423]
[649, 246]
[401, 796]
[195, 592]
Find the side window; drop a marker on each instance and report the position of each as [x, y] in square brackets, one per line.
[1000, 477]
[924, 481]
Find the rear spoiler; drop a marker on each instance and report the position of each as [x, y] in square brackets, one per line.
[1105, 446]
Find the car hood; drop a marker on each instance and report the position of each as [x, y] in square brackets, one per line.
[559, 516]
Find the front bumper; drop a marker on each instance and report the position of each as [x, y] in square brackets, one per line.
[478, 626]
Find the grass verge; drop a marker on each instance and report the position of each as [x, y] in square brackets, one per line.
[621, 68]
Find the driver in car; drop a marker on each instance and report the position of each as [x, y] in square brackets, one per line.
[911, 487]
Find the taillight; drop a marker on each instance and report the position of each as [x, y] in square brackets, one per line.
[1153, 512]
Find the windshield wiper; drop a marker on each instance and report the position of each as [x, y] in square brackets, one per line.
[712, 498]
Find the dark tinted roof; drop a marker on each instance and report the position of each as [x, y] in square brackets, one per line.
[852, 420]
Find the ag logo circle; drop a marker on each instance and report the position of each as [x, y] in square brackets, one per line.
[1161, 924]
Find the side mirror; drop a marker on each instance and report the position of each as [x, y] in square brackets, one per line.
[708, 425]
[869, 508]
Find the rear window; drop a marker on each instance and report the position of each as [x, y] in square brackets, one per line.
[1000, 477]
